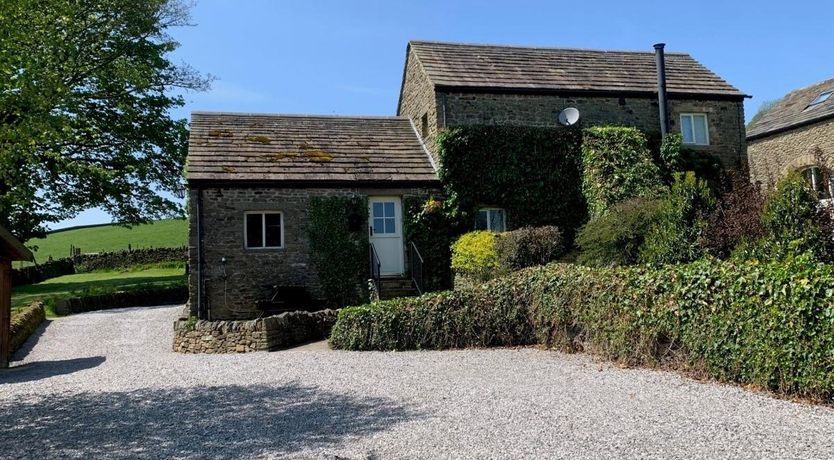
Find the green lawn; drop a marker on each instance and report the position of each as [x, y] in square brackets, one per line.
[103, 238]
[95, 283]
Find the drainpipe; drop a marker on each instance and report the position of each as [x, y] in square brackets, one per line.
[661, 88]
[199, 210]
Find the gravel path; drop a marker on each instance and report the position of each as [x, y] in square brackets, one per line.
[106, 384]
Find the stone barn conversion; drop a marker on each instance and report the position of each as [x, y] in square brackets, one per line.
[318, 205]
[252, 180]
[452, 84]
[796, 134]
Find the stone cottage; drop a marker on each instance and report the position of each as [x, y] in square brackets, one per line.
[452, 84]
[252, 178]
[796, 134]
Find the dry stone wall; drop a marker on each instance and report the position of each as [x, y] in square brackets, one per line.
[263, 334]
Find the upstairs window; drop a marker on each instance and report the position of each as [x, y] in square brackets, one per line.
[817, 182]
[492, 219]
[264, 230]
[820, 99]
[694, 128]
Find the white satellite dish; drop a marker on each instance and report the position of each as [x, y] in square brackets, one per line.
[569, 116]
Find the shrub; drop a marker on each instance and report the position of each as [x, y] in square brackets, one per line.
[534, 172]
[617, 165]
[675, 236]
[794, 223]
[339, 253]
[737, 216]
[675, 158]
[529, 246]
[426, 223]
[615, 238]
[475, 255]
[765, 324]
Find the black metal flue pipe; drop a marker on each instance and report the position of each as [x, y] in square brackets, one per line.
[661, 88]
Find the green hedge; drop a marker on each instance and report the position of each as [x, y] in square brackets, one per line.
[617, 165]
[769, 325]
[533, 173]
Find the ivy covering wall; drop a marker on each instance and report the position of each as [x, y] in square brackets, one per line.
[426, 222]
[339, 248]
[533, 173]
[617, 164]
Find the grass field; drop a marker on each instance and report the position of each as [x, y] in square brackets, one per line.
[95, 283]
[104, 238]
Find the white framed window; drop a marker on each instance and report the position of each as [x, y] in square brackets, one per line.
[817, 182]
[492, 219]
[694, 128]
[263, 229]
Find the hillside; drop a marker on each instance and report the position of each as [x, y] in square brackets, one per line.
[111, 237]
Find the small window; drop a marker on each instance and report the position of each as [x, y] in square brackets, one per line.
[822, 186]
[694, 128]
[492, 219]
[264, 230]
[424, 125]
[384, 217]
[820, 99]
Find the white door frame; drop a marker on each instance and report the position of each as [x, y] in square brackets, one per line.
[385, 232]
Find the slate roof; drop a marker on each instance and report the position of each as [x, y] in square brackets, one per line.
[304, 148]
[526, 68]
[793, 111]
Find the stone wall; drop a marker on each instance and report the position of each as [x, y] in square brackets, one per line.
[232, 288]
[449, 109]
[24, 323]
[271, 333]
[418, 99]
[725, 118]
[773, 157]
[143, 297]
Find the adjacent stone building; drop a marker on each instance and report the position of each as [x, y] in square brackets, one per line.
[796, 134]
[251, 178]
[452, 84]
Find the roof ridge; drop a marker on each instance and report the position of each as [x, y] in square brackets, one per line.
[494, 45]
[298, 115]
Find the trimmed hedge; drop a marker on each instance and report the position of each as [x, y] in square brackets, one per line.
[24, 323]
[769, 325]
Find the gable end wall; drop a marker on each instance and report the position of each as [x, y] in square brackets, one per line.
[773, 157]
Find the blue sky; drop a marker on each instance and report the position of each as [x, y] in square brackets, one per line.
[346, 57]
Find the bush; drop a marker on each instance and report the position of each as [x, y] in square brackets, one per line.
[737, 216]
[765, 324]
[475, 255]
[529, 246]
[617, 165]
[615, 238]
[676, 234]
[675, 158]
[427, 224]
[792, 219]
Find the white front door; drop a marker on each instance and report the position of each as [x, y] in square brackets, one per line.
[385, 226]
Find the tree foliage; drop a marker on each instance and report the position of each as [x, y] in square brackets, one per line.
[86, 89]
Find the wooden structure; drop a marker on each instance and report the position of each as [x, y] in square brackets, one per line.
[10, 249]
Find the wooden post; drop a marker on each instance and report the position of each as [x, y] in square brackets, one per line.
[5, 311]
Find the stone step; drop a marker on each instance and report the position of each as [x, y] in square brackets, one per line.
[391, 288]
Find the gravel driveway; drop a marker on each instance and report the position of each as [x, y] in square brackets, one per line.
[106, 384]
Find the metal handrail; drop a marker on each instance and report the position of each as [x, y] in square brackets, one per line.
[376, 267]
[416, 268]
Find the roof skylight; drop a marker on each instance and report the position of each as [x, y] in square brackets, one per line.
[821, 98]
